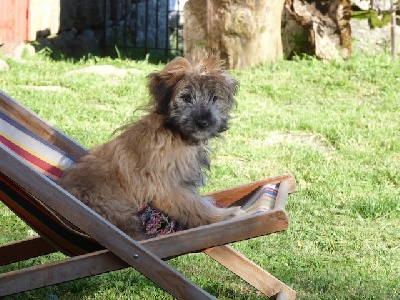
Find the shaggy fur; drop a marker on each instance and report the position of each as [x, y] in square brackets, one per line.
[160, 158]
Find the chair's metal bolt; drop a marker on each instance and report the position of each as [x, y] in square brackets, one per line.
[135, 256]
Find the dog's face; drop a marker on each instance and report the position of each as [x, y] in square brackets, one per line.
[194, 96]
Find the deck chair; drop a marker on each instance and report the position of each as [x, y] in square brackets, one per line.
[93, 245]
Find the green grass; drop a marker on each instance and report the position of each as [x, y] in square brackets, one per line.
[334, 125]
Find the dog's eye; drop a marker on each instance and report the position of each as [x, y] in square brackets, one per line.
[187, 98]
[214, 99]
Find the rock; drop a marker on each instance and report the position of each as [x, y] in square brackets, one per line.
[16, 50]
[372, 40]
[3, 65]
[29, 50]
[361, 4]
[382, 5]
[12, 50]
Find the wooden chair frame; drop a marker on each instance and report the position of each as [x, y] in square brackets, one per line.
[121, 251]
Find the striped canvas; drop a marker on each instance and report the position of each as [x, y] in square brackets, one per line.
[41, 155]
[263, 199]
[50, 161]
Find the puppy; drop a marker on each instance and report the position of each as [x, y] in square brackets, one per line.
[159, 160]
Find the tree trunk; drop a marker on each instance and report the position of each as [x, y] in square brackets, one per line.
[328, 27]
[244, 33]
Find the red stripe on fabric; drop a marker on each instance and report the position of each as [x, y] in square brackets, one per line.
[32, 158]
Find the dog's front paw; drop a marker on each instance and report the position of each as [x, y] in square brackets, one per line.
[233, 212]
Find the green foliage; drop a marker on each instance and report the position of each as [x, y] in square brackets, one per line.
[334, 125]
[375, 20]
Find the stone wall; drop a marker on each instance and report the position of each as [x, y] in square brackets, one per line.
[382, 5]
[373, 40]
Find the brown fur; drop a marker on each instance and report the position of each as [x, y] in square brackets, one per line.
[159, 159]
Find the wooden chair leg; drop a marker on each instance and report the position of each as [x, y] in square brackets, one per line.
[250, 272]
[24, 249]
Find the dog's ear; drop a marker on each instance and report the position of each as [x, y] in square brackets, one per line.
[162, 85]
[233, 84]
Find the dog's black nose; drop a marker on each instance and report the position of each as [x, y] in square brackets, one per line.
[202, 123]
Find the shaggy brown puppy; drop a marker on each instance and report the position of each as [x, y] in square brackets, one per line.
[160, 158]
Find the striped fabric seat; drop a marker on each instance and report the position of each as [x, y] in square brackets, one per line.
[41, 155]
[50, 161]
[263, 199]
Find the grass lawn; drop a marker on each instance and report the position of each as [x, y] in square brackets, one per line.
[334, 125]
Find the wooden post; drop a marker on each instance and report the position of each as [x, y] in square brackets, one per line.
[393, 28]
